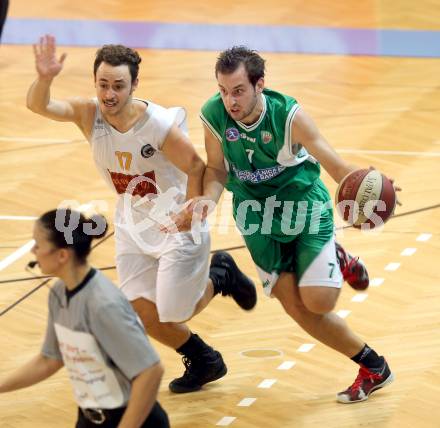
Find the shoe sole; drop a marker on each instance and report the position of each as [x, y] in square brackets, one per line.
[241, 277]
[386, 382]
[182, 390]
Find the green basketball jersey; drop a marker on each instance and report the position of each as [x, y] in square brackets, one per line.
[280, 205]
[260, 158]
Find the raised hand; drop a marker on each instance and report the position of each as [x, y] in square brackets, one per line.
[46, 62]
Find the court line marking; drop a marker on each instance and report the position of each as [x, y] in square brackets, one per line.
[306, 347]
[267, 383]
[279, 353]
[286, 365]
[34, 140]
[408, 252]
[24, 249]
[373, 152]
[225, 421]
[360, 297]
[376, 282]
[390, 152]
[423, 237]
[392, 266]
[17, 217]
[343, 313]
[246, 402]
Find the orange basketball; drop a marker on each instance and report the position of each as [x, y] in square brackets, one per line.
[365, 198]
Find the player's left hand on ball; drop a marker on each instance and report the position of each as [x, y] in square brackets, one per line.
[396, 188]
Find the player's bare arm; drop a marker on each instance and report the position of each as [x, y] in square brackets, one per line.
[181, 153]
[214, 178]
[215, 173]
[306, 133]
[39, 100]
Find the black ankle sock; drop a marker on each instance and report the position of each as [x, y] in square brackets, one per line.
[193, 347]
[368, 358]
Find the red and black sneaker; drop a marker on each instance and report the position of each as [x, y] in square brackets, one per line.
[367, 381]
[353, 269]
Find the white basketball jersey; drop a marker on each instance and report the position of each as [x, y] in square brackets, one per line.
[136, 155]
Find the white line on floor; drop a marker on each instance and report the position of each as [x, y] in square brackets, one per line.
[17, 254]
[225, 421]
[286, 365]
[306, 347]
[34, 140]
[392, 266]
[267, 383]
[24, 249]
[343, 313]
[408, 251]
[376, 282]
[423, 237]
[360, 297]
[390, 152]
[246, 402]
[17, 217]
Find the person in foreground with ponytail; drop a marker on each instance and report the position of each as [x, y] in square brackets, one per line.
[93, 331]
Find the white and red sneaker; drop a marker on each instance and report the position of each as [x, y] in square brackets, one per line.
[367, 381]
[353, 269]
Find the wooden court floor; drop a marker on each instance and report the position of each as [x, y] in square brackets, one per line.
[379, 111]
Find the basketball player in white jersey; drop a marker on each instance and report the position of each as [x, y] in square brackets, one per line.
[144, 155]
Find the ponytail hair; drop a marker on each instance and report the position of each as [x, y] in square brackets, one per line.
[67, 228]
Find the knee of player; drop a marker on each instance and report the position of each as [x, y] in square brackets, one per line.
[319, 302]
[320, 308]
[146, 311]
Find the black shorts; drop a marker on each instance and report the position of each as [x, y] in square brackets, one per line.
[156, 419]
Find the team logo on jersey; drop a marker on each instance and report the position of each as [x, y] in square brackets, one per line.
[99, 124]
[299, 151]
[232, 134]
[147, 151]
[266, 137]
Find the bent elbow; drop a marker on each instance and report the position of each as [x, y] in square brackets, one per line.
[33, 107]
[30, 106]
[197, 167]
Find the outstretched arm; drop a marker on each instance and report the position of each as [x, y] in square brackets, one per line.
[36, 370]
[38, 97]
[305, 132]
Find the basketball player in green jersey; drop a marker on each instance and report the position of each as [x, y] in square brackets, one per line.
[267, 151]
